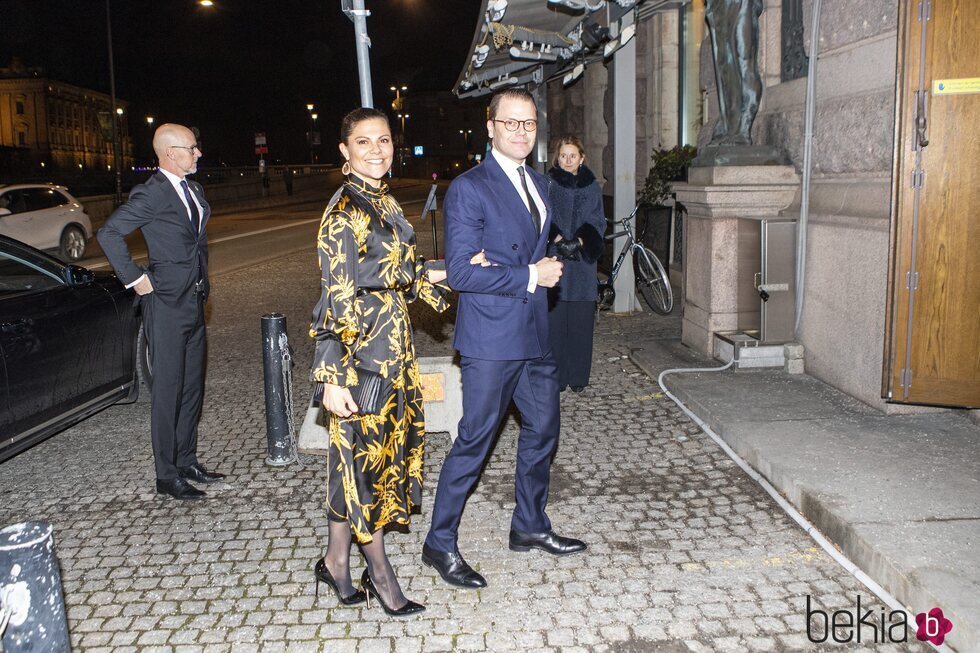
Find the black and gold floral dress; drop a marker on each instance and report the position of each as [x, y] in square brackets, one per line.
[369, 272]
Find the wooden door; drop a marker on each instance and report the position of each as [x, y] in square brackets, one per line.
[933, 345]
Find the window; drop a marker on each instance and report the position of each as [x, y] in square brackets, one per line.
[19, 107]
[38, 198]
[21, 139]
[13, 201]
[17, 276]
[57, 198]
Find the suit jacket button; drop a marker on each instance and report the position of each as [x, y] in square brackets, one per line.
[525, 300]
[514, 247]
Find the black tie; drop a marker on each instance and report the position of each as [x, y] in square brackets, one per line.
[535, 215]
[195, 214]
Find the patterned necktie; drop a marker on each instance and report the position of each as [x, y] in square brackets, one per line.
[531, 205]
[195, 214]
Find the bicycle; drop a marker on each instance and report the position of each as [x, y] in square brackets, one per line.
[651, 278]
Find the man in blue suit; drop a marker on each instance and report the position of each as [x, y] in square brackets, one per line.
[500, 209]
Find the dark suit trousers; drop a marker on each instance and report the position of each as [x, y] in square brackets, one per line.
[176, 340]
[488, 387]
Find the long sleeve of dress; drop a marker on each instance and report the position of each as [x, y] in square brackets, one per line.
[335, 325]
[435, 295]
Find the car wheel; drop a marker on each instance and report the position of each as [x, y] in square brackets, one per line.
[144, 366]
[72, 244]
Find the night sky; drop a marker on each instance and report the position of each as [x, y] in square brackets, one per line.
[243, 65]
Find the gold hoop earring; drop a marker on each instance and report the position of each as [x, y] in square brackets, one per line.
[345, 169]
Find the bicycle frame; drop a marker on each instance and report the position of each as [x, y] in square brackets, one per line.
[631, 243]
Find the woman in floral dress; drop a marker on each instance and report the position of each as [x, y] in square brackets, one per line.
[369, 274]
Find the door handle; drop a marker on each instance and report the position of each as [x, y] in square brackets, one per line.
[920, 119]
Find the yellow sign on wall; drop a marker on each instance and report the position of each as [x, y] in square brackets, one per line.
[433, 387]
[956, 86]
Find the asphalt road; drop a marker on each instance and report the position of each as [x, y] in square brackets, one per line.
[242, 238]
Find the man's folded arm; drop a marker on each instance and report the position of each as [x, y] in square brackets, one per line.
[464, 238]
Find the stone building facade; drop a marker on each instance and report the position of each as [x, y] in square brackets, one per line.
[47, 125]
[843, 322]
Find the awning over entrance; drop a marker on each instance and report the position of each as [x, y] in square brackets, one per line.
[528, 41]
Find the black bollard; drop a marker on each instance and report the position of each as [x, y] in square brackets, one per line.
[31, 600]
[277, 365]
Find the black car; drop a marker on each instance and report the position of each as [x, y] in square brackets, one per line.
[70, 340]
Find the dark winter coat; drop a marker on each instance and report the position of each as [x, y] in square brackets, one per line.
[577, 213]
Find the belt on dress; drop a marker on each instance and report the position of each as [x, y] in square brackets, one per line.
[367, 291]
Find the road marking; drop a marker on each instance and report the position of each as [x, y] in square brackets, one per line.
[99, 266]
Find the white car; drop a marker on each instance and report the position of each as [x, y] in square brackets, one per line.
[45, 216]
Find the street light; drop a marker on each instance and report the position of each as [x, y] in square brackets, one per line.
[396, 104]
[466, 141]
[149, 120]
[312, 137]
[309, 107]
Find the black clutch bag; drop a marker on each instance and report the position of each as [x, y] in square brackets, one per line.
[369, 394]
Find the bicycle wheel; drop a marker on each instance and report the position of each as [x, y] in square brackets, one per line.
[652, 282]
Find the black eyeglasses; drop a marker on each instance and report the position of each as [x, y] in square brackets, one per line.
[513, 125]
[190, 148]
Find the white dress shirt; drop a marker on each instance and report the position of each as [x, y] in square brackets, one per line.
[175, 180]
[510, 169]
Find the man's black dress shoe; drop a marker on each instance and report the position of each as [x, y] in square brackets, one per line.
[452, 568]
[198, 474]
[178, 488]
[548, 542]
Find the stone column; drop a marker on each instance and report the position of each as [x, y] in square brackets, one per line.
[724, 205]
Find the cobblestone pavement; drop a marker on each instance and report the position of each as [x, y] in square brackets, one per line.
[686, 553]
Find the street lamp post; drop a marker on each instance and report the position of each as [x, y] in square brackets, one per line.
[117, 154]
[404, 146]
[465, 133]
[313, 137]
[309, 107]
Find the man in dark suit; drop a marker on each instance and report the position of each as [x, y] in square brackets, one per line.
[500, 209]
[171, 213]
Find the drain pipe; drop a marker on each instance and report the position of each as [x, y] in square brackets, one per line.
[811, 92]
[787, 507]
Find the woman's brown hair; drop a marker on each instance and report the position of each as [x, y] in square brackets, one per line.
[567, 139]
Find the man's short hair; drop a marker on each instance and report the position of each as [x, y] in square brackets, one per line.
[512, 93]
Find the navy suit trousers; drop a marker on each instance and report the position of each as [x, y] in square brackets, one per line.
[488, 387]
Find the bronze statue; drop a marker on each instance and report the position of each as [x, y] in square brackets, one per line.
[734, 30]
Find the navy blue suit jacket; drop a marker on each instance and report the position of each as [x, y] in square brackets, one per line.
[497, 318]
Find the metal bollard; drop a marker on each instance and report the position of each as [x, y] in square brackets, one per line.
[32, 606]
[278, 373]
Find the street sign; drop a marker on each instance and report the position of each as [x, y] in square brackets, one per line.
[260, 139]
[261, 149]
[419, 149]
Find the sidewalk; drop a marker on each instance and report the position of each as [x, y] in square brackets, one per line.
[898, 495]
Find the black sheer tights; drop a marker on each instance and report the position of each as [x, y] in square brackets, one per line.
[337, 561]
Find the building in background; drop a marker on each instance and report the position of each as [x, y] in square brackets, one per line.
[436, 133]
[48, 127]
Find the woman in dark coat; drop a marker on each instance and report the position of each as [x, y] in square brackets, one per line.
[578, 223]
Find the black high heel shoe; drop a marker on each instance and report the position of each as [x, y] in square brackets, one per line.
[323, 575]
[410, 607]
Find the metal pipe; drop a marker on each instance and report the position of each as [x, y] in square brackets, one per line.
[359, 15]
[277, 375]
[32, 605]
[811, 90]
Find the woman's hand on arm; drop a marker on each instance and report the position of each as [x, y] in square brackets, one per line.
[338, 400]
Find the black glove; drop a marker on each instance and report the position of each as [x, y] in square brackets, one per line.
[569, 250]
